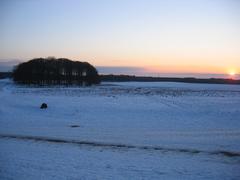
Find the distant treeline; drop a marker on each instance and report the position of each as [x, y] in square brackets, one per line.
[4, 75]
[43, 71]
[124, 78]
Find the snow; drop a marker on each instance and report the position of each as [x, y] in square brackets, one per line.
[33, 160]
[164, 122]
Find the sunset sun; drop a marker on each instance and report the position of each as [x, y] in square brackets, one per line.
[232, 73]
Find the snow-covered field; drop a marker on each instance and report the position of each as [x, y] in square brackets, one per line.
[120, 131]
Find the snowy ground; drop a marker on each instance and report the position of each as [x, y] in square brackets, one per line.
[126, 131]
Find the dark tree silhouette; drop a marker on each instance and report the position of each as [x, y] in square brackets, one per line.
[55, 71]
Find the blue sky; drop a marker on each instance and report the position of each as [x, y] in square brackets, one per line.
[189, 36]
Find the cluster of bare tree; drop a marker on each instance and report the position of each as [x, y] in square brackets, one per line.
[55, 71]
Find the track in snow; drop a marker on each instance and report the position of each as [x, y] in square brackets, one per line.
[121, 146]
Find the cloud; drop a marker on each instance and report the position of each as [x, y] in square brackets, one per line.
[7, 65]
[117, 70]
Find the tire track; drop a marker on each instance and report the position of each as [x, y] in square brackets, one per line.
[120, 146]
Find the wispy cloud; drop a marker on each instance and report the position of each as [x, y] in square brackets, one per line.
[120, 70]
[7, 65]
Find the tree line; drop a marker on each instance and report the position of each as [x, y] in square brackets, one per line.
[126, 78]
[44, 71]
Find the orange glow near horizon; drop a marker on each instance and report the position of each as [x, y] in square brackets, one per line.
[186, 69]
[183, 69]
[170, 63]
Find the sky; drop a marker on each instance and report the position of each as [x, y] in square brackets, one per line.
[150, 36]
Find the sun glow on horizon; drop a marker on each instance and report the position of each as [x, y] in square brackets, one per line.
[232, 72]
